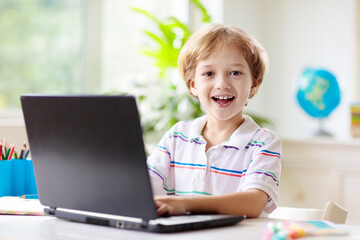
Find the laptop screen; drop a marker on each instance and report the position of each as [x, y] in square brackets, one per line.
[88, 154]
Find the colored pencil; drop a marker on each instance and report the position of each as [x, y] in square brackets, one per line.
[23, 149]
[4, 143]
[30, 196]
[5, 149]
[12, 149]
[27, 153]
[7, 152]
[1, 149]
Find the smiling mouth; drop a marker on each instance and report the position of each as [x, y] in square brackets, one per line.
[223, 99]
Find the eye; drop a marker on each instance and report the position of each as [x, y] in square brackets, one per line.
[208, 74]
[235, 73]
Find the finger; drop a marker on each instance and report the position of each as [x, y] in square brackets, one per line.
[156, 198]
[162, 210]
[158, 203]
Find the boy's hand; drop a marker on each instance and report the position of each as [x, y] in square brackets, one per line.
[250, 203]
[167, 206]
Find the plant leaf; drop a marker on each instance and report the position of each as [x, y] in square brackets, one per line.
[154, 37]
[147, 14]
[206, 17]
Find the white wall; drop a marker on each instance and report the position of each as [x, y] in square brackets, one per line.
[298, 34]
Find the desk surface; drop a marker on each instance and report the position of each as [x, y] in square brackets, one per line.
[45, 227]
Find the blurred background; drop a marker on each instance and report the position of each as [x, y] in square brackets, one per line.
[129, 47]
[94, 46]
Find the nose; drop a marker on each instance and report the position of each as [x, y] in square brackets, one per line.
[222, 82]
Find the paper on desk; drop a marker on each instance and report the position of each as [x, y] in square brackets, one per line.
[19, 206]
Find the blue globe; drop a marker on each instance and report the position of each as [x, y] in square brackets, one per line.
[318, 92]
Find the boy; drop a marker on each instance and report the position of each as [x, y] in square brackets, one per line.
[224, 160]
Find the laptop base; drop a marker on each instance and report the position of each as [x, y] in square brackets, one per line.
[159, 225]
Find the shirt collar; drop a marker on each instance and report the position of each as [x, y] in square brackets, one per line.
[239, 139]
[243, 135]
[197, 127]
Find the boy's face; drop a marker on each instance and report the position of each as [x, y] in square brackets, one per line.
[223, 84]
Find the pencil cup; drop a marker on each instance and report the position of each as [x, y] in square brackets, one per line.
[18, 177]
[5, 178]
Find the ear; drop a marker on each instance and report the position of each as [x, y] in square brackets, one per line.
[254, 89]
[192, 87]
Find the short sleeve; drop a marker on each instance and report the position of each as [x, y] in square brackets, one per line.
[264, 172]
[159, 168]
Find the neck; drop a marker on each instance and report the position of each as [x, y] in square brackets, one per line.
[216, 132]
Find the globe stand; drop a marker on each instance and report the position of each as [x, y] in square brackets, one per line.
[321, 132]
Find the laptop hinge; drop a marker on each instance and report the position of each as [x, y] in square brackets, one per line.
[52, 210]
[145, 223]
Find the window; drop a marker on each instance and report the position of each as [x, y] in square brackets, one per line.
[40, 48]
[74, 46]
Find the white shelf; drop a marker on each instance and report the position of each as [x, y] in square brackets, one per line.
[315, 171]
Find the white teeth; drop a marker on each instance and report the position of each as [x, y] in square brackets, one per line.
[223, 97]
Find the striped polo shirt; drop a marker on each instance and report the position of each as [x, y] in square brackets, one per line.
[250, 158]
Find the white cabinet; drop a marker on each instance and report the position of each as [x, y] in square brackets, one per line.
[315, 171]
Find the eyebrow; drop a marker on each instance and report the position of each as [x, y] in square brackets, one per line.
[231, 65]
[238, 65]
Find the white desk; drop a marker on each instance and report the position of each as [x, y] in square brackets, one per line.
[44, 227]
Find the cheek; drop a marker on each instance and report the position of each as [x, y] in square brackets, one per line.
[243, 99]
[244, 88]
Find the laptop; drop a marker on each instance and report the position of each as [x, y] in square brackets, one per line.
[90, 164]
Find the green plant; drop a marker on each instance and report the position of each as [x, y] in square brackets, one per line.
[172, 37]
[175, 103]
